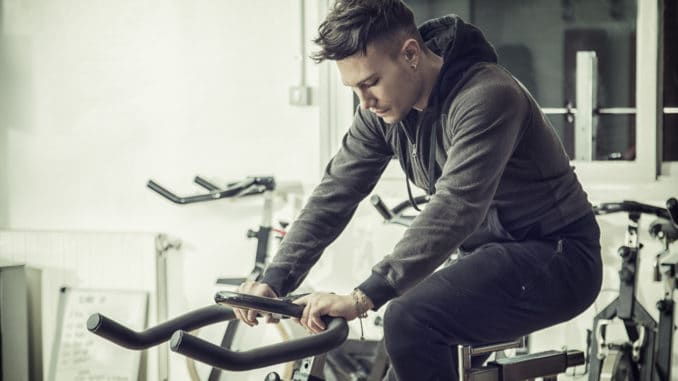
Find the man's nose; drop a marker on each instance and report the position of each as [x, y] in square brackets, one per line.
[366, 99]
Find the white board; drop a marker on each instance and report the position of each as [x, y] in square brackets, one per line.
[79, 355]
[96, 260]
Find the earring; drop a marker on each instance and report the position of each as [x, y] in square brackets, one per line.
[414, 66]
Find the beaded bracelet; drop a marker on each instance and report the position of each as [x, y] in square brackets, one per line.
[360, 300]
[361, 305]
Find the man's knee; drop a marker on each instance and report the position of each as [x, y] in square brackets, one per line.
[402, 330]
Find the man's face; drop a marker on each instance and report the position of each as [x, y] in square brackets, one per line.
[385, 84]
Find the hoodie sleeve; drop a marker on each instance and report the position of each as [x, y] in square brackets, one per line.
[484, 125]
[349, 177]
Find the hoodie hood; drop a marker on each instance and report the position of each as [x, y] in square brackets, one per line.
[460, 44]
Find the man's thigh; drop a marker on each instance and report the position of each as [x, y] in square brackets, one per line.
[499, 292]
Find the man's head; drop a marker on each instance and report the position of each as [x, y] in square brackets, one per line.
[378, 49]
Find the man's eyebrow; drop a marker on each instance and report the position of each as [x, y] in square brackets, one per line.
[362, 82]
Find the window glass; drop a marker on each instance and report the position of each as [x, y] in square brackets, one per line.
[537, 40]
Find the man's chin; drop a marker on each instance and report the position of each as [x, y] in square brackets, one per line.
[391, 119]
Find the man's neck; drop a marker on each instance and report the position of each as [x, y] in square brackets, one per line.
[430, 68]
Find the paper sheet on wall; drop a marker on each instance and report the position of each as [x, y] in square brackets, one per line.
[79, 355]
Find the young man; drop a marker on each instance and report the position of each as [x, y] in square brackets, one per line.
[501, 187]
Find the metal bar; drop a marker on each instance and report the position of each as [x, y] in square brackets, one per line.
[665, 334]
[602, 111]
[463, 361]
[648, 89]
[616, 110]
[206, 184]
[586, 91]
[496, 347]
[302, 43]
[557, 110]
[162, 303]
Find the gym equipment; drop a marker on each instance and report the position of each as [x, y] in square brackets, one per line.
[310, 349]
[214, 355]
[264, 186]
[251, 186]
[646, 356]
[313, 352]
[398, 214]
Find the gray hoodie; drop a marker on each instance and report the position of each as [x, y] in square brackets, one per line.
[493, 163]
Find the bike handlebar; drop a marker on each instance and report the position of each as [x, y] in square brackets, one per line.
[216, 356]
[249, 186]
[632, 207]
[113, 331]
[394, 215]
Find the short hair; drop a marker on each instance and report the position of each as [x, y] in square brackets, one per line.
[352, 25]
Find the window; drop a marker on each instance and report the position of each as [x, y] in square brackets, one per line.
[555, 47]
[538, 42]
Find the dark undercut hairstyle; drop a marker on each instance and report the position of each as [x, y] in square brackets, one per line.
[352, 25]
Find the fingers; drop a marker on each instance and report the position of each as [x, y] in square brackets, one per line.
[241, 315]
[317, 305]
[315, 323]
[249, 317]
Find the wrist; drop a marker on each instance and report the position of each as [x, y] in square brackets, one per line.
[362, 302]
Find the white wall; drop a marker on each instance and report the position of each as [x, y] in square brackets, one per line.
[100, 96]
[108, 94]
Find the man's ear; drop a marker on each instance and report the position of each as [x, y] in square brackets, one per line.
[411, 51]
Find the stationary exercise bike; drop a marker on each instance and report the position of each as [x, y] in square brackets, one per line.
[268, 189]
[646, 355]
[355, 360]
[310, 352]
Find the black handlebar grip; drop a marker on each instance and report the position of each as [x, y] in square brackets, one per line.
[206, 184]
[630, 207]
[378, 203]
[216, 356]
[672, 207]
[118, 333]
[164, 192]
[115, 332]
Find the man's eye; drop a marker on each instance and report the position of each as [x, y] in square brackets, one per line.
[373, 83]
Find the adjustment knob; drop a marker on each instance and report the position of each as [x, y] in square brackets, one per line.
[664, 305]
[273, 376]
[624, 252]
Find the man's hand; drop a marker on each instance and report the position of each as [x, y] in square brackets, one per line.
[320, 304]
[249, 317]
